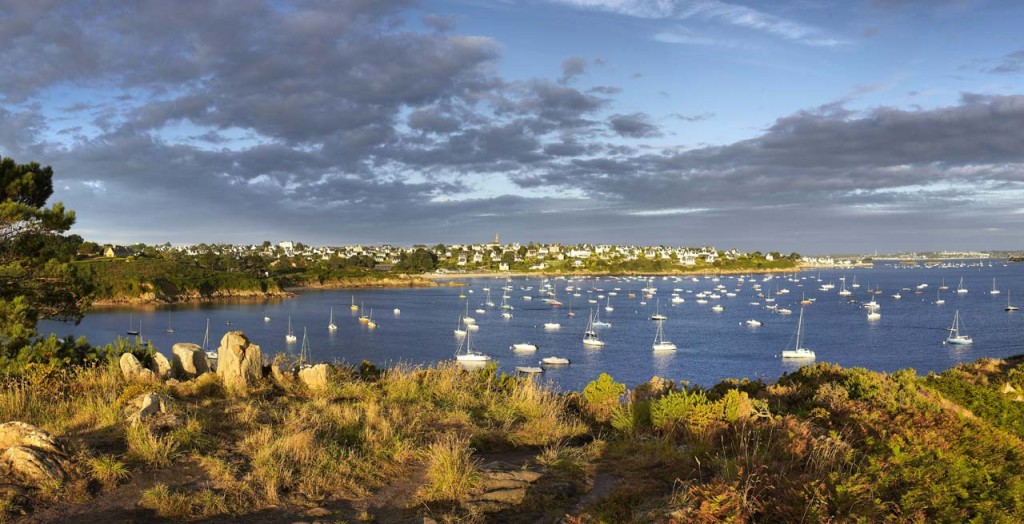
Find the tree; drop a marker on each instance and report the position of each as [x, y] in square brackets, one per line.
[37, 279]
[419, 261]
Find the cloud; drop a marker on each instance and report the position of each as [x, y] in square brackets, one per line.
[635, 125]
[1011, 63]
[571, 68]
[708, 11]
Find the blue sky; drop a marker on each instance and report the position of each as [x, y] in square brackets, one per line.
[810, 126]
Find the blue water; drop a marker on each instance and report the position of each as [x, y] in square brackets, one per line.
[712, 346]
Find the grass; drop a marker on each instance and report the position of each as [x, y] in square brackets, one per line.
[452, 472]
[824, 443]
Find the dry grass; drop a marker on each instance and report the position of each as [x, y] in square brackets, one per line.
[452, 472]
[154, 450]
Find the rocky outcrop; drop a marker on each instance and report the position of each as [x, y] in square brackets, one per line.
[131, 369]
[152, 409]
[239, 362]
[161, 367]
[315, 377]
[32, 455]
[501, 487]
[189, 361]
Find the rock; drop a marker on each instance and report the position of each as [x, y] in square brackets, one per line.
[280, 377]
[161, 367]
[32, 454]
[146, 406]
[36, 466]
[130, 366]
[239, 362]
[315, 377]
[22, 434]
[189, 361]
[501, 487]
[511, 496]
[317, 512]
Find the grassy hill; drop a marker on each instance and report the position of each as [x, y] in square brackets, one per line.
[823, 444]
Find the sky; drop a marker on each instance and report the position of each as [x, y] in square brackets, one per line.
[792, 125]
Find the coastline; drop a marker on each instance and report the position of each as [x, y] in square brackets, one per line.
[517, 274]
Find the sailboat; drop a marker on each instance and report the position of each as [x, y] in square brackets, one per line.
[354, 307]
[598, 322]
[459, 332]
[210, 354]
[266, 317]
[803, 300]
[590, 337]
[608, 307]
[797, 351]
[955, 338]
[961, 288]
[1009, 307]
[570, 314]
[169, 328]
[331, 326]
[370, 324]
[290, 337]
[843, 292]
[304, 352]
[466, 319]
[657, 312]
[994, 290]
[943, 286]
[470, 355]
[938, 298]
[660, 344]
[131, 326]
[363, 319]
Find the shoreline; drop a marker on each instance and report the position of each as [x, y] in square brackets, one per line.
[518, 274]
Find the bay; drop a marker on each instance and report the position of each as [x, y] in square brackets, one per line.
[712, 346]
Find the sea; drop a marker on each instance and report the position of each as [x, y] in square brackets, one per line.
[417, 326]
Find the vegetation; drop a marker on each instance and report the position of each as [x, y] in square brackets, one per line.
[821, 444]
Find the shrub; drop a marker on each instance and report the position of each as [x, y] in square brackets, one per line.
[602, 397]
[679, 407]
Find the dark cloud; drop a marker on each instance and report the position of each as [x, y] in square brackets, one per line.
[635, 125]
[571, 68]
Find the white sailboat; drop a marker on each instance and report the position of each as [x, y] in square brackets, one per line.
[660, 344]
[524, 346]
[354, 307]
[955, 338]
[608, 307]
[290, 337]
[797, 351]
[331, 326]
[210, 354]
[938, 298]
[304, 355]
[469, 355]
[169, 328]
[657, 312]
[961, 289]
[1009, 307]
[843, 292]
[590, 337]
[459, 332]
[598, 322]
[994, 290]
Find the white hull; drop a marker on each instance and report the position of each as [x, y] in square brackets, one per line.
[554, 361]
[663, 346]
[472, 357]
[798, 353]
[524, 346]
